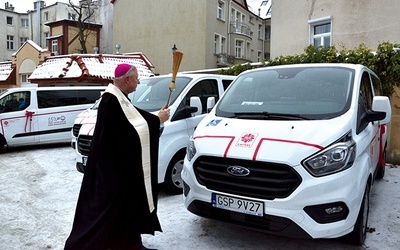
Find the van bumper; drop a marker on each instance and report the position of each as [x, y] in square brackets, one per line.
[273, 224]
[296, 215]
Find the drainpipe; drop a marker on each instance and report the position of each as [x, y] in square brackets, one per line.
[38, 23]
[30, 25]
[229, 28]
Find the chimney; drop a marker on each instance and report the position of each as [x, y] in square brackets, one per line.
[8, 6]
[42, 4]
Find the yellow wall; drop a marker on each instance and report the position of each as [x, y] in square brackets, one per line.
[393, 150]
[27, 52]
[75, 46]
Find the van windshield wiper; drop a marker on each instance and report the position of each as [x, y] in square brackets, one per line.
[268, 116]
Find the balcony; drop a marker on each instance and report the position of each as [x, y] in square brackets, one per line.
[225, 60]
[240, 28]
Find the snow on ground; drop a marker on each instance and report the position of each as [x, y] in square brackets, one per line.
[39, 187]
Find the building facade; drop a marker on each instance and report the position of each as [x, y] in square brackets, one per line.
[211, 34]
[53, 28]
[343, 24]
[340, 23]
[20, 27]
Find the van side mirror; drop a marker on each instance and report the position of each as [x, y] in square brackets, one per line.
[375, 116]
[381, 104]
[196, 102]
[210, 103]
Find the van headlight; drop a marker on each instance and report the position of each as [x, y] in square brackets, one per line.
[337, 157]
[191, 149]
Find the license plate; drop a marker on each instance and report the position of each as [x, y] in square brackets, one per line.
[238, 205]
[84, 160]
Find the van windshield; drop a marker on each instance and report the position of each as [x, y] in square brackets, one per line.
[289, 93]
[152, 93]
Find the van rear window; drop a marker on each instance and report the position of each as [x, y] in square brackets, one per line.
[57, 98]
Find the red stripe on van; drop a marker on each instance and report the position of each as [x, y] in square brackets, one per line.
[285, 141]
[34, 114]
[232, 138]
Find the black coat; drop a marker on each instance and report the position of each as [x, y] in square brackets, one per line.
[112, 205]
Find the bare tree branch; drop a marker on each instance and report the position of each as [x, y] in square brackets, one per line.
[85, 13]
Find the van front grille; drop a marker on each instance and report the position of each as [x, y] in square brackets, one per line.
[75, 129]
[83, 143]
[265, 180]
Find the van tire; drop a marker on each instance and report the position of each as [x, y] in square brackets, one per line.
[357, 237]
[381, 172]
[381, 169]
[2, 143]
[173, 181]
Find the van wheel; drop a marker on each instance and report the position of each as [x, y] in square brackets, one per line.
[357, 237]
[381, 169]
[173, 181]
[2, 144]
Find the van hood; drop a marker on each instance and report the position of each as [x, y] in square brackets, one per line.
[286, 142]
[87, 119]
[87, 116]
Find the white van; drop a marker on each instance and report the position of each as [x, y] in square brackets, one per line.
[193, 98]
[293, 150]
[37, 115]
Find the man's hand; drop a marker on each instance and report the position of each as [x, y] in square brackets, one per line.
[163, 115]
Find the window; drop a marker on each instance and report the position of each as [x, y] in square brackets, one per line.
[46, 16]
[24, 77]
[58, 98]
[22, 40]
[9, 20]
[267, 32]
[54, 46]
[259, 54]
[15, 101]
[260, 31]
[223, 45]
[219, 44]
[24, 22]
[377, 85]
[71, 16]
[216, 39]
[248, 50]
[204, 89]
[240, 20]
[238, 48]
[364, 102]
[320, 32]
[221, 10]
[10, 42]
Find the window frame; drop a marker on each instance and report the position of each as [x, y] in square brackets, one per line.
[54, 46]
[24, 22]
[22, 40]
[219, 44]
[319, 22]
[10, 42]
[9, 20]
[239, 49]
[221, 10]
[71, 16]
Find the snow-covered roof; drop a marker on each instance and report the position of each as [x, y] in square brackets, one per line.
[89, 65]
[33, 44]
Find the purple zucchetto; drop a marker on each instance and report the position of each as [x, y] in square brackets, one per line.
[121, 69]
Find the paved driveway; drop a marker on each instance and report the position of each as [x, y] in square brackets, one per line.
[39, 187]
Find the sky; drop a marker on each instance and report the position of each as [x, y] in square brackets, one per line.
[22, 6]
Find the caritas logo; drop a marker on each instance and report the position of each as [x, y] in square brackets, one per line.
[246, 140]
